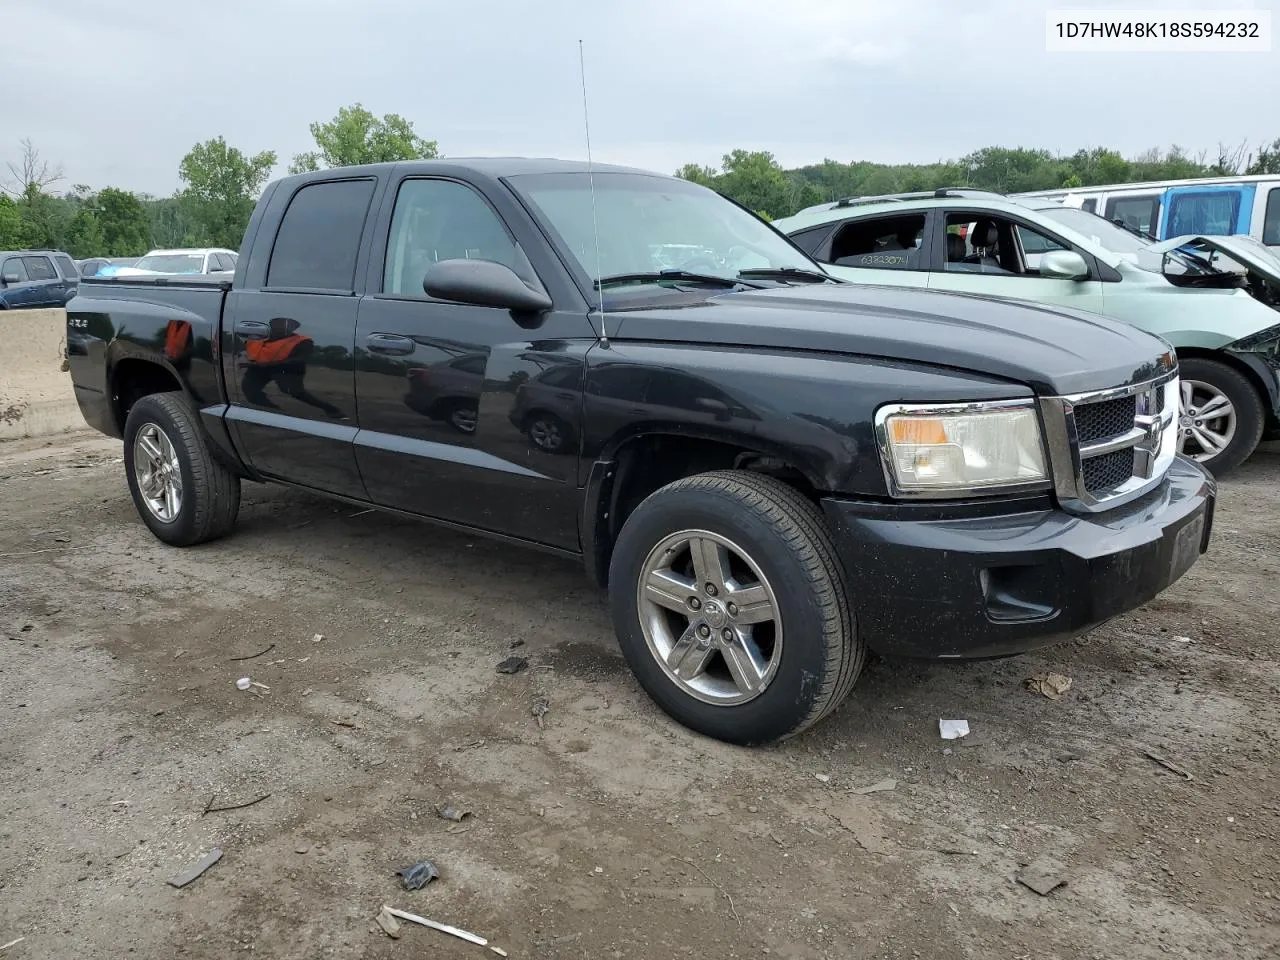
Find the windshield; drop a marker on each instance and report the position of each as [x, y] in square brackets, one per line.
[172, 263]
[1105, 233]
[648, 224]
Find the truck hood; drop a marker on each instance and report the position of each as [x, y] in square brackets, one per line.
[1054, 351]
[1247, 250]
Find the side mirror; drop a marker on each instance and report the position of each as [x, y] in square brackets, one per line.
[1063, 265]
[484, 284]
[12, 277]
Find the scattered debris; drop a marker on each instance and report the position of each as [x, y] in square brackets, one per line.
[254, 656]
[513, 665]
[344, 723]
[389, 924]
[861, 820]
[499, 951]
[210, 808]
[1183, 640]
[1052, 685]
[516, 643]
[14, 943]
[244, 683]
[1043, 876]
[417, 876]
[884, 786]
[197, 868]
[822, 777]
[442, 927]
[448, 811]
[301, 849]
[1168, 765]
[953, 729]
[732, 909]
[180, 653]
[957, 852]
[317, 637]
[541, 706]
[61, 539]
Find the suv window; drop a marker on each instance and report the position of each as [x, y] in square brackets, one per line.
[1090, 205]
[1137, 213]
[978, 243]
[880, 243]
[1271, 219]
[1212, 212]
[14, 266]
[810, 240]
[222, 262]
[438, 220]
[68, 268]
[40, 268]
[319, 237]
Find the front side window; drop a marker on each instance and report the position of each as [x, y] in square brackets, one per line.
[438, 220]
[644, 224]
[40, 268]
[1136, 213]
[880, 243]
[13, 270]
[1271, 219]
[319, 237]
[1210, 213]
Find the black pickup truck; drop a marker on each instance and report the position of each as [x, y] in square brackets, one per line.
[771, 471]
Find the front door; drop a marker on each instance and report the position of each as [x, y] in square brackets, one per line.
[465, 416]
[993, 256]
[18, 289]
[291, 378]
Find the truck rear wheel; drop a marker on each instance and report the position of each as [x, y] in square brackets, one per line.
[182, 492]
[732, 608]
[1220, 415]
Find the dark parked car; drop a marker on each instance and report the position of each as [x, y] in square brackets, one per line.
[772, 471]
[36, 278]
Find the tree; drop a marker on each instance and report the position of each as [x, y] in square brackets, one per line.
[32, 172]
[1268, 159]
[11, 226]
[126, 228]
[221, 186]
[356, 136]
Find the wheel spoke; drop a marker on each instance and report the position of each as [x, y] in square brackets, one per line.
[745, 664]
[1188, 399]
[152, 448]
[1212, 442]
[1214, 407]
[754, 605]
[170, 500]
[668, 589]
[686, 659]
[710, 561]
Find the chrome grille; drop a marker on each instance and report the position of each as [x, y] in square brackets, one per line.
[1111, 446]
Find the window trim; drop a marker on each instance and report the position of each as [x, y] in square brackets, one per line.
[360, 243]
[926, 241]
[383, 240]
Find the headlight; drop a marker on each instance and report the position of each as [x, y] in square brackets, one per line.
[954, 449]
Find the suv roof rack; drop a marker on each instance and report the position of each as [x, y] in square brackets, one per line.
[941, 193]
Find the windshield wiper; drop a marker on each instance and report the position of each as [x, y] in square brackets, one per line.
[667, 276]
[787, 273]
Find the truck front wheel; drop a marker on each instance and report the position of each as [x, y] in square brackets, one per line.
[732, 608]
[182, 492]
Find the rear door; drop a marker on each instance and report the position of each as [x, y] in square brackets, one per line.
[467, 416]
[1207, 210]
[48, 289]
[889, 250]
[70, 275]
[291, 370]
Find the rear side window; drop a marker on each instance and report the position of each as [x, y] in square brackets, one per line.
[1137, 213]
[319, 237]
[68, 268]
[1090, 205]
[40, 268]
[882, 243]
[1212, 213]
[1271, 219]
[810, 240]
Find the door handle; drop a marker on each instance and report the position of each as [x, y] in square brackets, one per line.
[389, 344]
[252, 328]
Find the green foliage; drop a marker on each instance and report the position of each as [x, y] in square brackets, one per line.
[356, 136]
[11, 226]
[221, 187]
[113, 223]
[1268, 159]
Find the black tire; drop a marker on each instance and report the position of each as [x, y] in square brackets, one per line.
[1250, 414]
[785, 536]
[210, 491]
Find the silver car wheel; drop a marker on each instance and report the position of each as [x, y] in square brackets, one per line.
[155, 466]
[710, 618]
[1206, 420]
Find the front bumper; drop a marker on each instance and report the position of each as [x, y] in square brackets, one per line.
[929, 581]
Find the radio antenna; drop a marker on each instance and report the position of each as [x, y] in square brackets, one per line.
[595, 223]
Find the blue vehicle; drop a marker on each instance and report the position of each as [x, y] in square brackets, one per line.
[36, 278]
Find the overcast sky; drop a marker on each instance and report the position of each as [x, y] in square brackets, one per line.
[118, 92]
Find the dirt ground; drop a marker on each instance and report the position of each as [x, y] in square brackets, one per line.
[609, 832]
